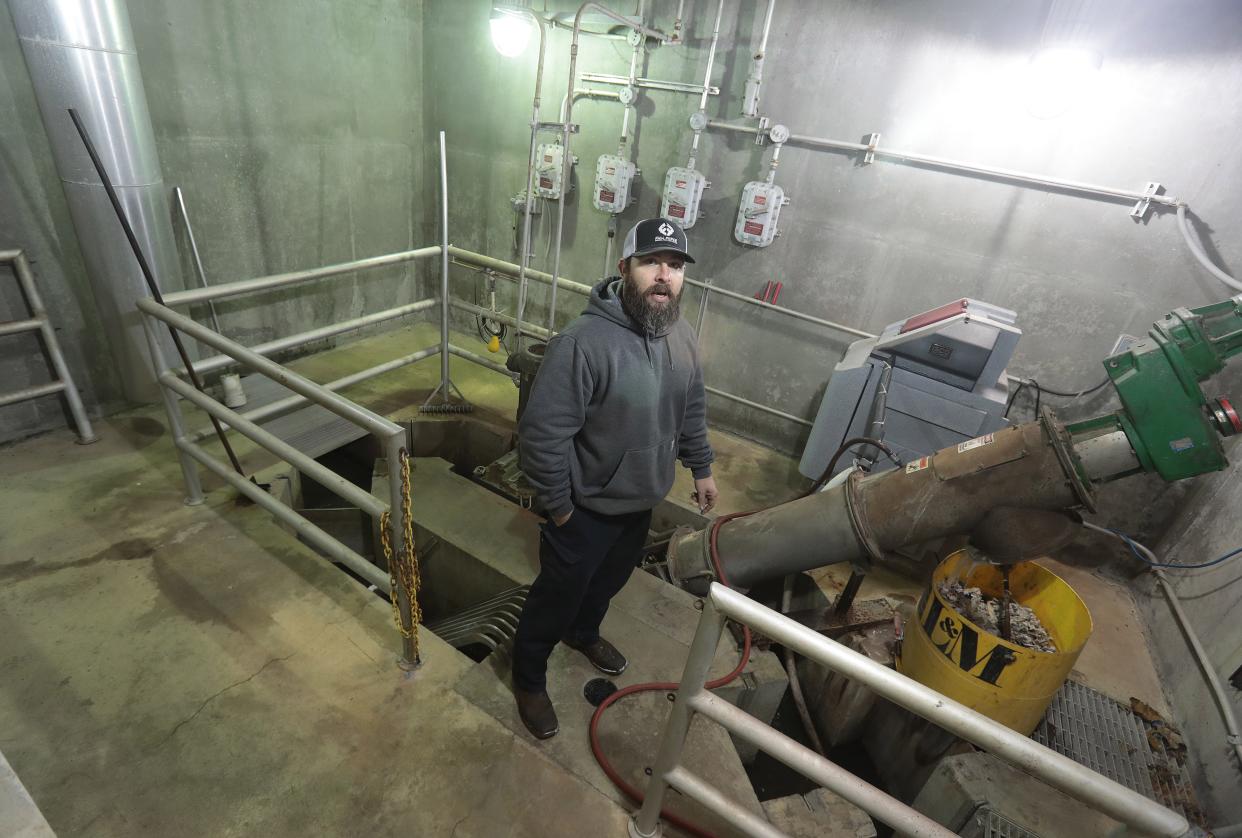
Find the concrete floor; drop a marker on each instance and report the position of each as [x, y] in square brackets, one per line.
[177, 670]
[195, 670]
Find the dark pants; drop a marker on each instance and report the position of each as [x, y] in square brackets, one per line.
[582, 566]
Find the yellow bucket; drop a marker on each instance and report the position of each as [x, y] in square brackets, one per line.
[1004, 681]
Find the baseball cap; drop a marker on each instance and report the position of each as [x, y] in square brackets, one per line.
[653, 235]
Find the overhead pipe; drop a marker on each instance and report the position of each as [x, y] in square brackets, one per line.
[750, 102]
[960, 166]
[81, 55]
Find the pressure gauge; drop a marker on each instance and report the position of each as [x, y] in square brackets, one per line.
[627, 95]
[778, 133]
[698, 121]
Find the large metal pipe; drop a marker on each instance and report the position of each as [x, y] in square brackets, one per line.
[1029, 467]
[80, 54]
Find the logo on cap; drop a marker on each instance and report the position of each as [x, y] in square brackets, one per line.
[665, 229]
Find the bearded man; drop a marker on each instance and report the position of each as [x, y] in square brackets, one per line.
[618, 399]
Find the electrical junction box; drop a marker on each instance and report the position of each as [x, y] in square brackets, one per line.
[613, 175]
[549, 163]
[683, 189]
[756, 217]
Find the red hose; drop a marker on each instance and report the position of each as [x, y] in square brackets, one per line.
[662, 686]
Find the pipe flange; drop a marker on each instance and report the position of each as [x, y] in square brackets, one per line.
[1227, 420]
[854, 507]
[1063, 447]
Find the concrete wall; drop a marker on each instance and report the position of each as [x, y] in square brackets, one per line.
[295, 129]
[1207, 528]
[867, 245]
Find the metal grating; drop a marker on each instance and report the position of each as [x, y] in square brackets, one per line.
[992, 824]
[1094, 730]
[313, 430]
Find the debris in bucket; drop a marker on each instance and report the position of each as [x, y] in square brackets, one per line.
[984, 611]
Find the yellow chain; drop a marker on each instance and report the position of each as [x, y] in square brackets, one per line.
[403, 570]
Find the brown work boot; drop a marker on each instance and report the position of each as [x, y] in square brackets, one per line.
[537, 713]
[603, 656]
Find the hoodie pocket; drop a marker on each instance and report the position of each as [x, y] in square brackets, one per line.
[643, 473]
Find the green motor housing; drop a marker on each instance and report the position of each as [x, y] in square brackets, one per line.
[1174, 428]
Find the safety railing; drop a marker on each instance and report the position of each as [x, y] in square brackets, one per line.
[1060, 772]
[39, 322]
[390, 434]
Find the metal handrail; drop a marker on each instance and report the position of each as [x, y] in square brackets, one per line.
[1060, 772]
[40, 323]
[391, 434]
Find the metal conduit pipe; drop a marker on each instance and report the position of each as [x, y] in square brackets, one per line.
[81, 54]
[707, 80]
[524, 256]
[750, 100]
[568, 157]
[283, 406]
[365, 501]
[961, 166]
[266, 283]
[302, 338]
[337, 552]
[361, 416]
[630, 82]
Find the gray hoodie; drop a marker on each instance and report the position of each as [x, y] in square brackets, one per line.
[611, 409]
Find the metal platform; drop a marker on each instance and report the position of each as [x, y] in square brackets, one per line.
[313, 430]
[1096, 731]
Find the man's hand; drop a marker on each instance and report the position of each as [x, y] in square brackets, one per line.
[705, 493]
[560, 520]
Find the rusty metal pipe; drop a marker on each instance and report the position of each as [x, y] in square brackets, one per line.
[1029, 467]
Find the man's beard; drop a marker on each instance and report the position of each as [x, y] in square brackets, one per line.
[652, 316]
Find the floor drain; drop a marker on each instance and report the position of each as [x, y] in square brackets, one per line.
[597, 689]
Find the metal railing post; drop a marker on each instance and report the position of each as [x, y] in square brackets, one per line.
[393, 448]
[702, 653]
[189, 469]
